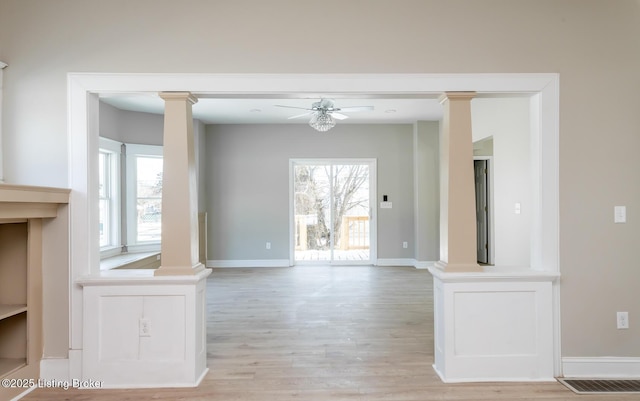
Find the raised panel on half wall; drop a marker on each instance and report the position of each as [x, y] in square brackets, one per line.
[118, 327]
[166, 318]
[495, 330]
[512, 329]
[120, 337]
[143, 336]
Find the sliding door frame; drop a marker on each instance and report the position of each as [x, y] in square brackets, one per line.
[373, 202]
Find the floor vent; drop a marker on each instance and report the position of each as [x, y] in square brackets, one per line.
[600, 386]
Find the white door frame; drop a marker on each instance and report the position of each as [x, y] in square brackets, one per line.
[83, 129]
[373, 201]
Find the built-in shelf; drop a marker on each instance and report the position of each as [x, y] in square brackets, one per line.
[9, 365]
[10, 310]
[22, 212]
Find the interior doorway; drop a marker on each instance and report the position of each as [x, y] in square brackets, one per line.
[332, 211]
[484, 216]
[83, 133]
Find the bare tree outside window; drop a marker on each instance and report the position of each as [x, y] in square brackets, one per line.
[317, 188]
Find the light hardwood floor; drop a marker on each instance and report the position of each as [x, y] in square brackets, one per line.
[320, 333]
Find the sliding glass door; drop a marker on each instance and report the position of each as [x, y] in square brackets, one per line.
[332, 211]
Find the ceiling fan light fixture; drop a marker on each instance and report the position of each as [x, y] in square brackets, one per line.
[322, 121]
[325, 113]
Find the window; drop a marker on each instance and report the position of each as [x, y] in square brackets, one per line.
[148, 198]
[137, 193]
[109, 194]
[144, 196]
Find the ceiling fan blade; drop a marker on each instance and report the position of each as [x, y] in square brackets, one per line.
[355, 108]
[300, 115]
[294, 107]
[338, 116]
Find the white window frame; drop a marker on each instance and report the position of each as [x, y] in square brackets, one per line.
[114, 149]
[134, 151]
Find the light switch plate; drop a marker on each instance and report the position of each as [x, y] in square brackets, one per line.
[619, 214]
[386, 205]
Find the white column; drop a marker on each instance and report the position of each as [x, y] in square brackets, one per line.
[179, 190]
[457, 189]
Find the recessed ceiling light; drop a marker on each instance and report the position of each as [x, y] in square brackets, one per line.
[390, 111]
[255, 110]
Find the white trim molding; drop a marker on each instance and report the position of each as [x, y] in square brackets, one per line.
[418, 264]
[396, 262]
[83, 126]
[424, 264]
[248, 263]
[54, 369]
[601, 367]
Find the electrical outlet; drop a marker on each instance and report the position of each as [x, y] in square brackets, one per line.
[144, 327]
[405, 245]
[268, 245]
[623, 320]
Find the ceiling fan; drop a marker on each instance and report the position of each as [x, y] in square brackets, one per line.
[324, 113]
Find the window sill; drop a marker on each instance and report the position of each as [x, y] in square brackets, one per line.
[136, 260]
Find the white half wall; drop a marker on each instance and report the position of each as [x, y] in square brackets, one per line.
[495, 325]
[144, 331]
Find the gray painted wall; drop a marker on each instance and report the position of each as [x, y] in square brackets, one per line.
[131, 127]
[248, 183]
[426, 142]
[200, 143]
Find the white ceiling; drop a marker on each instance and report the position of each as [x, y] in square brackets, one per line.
[263, 110]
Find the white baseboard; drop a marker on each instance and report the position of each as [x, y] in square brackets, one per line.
[396, 262]
[601, 367]
[54, 369]
[418, 264]
[75, 364]
[248, 263]
[492, 379]
[425, 264]
[285, 263]
[169, 384]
